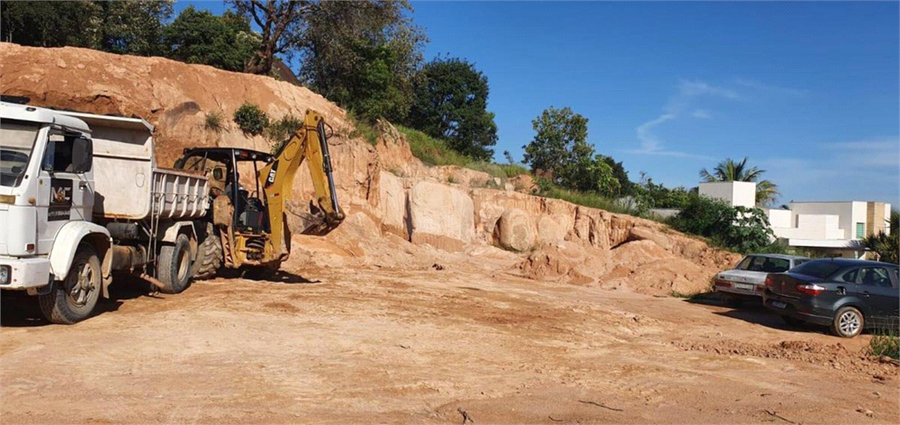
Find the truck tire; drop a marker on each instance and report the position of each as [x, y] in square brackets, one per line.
[174, 266]
[74, 298]
[209, 256]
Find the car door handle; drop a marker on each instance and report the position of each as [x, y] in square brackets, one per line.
[865, 293]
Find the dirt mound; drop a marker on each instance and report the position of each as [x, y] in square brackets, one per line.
[400, 212]
[835, 355]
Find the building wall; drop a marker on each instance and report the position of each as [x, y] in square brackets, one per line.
[850, 214]
[738, 194]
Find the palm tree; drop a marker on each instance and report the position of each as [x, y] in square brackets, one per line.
[886, 245]
[731, 170]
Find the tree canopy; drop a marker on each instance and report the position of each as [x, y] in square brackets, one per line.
[560, 152]
[225, 41]
[128, 27]
[450, 103]
[282, 24]
[362, 55]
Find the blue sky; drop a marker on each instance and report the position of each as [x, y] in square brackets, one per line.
[808, 91]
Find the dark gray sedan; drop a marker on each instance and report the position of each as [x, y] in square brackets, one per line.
[846, 295]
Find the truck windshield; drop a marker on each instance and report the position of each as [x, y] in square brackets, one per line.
[17, 143]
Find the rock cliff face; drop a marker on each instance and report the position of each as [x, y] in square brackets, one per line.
[391, 198]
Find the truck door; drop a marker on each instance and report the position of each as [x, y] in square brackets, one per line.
[66, 189]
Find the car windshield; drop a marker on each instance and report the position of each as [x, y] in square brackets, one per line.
[820, 269]
[755, 263]
[18, 140]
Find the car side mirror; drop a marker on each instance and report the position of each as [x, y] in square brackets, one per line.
[82, 155]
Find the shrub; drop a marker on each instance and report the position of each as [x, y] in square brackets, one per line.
[280, 131]
[213, 121]
[736, 228]
[251, 119]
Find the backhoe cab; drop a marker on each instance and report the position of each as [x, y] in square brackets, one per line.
[247, 224]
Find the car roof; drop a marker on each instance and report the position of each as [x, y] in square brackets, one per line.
[845, 262]
[781, 256]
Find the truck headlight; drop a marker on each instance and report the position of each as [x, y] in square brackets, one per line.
[4, 275]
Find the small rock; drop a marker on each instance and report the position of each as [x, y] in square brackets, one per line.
[866, 412]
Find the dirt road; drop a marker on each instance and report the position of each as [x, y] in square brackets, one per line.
[419, 346]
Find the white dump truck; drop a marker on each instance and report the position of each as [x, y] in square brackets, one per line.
[81, 197]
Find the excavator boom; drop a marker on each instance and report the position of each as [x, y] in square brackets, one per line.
[309, 142]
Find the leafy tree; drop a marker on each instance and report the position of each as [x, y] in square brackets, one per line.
[618, 171]
[730, 170]
[737, 228]
[133, 27]
[129, 27]
[451, 104]
[560, 140]
[225, 42]
[560, 153]
[282, 28]
[363, 55]
[886, 245]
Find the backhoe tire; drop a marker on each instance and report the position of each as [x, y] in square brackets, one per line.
[209, 256]
[174, 266]
[73, 299]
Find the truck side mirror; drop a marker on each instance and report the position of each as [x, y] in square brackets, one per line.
[82, 154]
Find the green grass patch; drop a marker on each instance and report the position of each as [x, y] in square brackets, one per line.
[280, 131]
[432, 151]
[363, 128]
[213, 121]
[885, 344]
[588, 199]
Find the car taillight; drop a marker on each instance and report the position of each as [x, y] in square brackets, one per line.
[770, 282]
[723, 283]
[810, 289]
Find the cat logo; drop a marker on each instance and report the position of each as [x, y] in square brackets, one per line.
[270, 180]
[59, 195]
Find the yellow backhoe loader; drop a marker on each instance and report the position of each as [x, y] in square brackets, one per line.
[247, 226]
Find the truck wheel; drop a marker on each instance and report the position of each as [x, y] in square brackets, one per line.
[209, 255]
[73, 299]
[848, 322]
[174, 267]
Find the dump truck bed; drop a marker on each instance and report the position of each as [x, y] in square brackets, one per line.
[127, 183]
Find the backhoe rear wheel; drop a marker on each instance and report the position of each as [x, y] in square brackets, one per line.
[174, 266]
[209, 256]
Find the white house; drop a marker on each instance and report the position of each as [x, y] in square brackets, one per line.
[832, 228]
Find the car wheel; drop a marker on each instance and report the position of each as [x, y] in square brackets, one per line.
[792, 321]
[848, 322]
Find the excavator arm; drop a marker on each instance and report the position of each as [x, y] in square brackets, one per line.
[309, 142]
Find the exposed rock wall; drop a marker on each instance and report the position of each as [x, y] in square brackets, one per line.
[389, 196]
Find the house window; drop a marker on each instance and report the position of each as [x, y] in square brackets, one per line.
[860, 230]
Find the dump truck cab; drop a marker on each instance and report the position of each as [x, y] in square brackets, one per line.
[46, 191]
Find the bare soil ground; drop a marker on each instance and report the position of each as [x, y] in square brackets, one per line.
[419, 346]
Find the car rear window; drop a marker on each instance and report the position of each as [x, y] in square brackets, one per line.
[758, 263]
[820, 269]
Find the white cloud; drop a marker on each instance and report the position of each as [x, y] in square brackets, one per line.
[686, 92]
[699, 88]
[701, 114]
[769, 88]
[883, 152]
